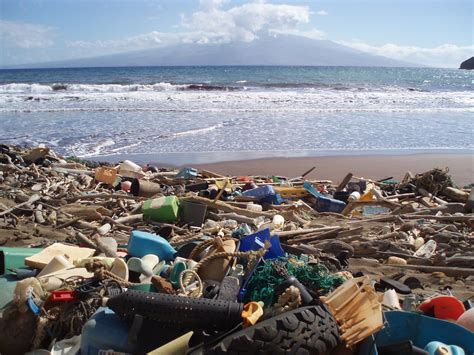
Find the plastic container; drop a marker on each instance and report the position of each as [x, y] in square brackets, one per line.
[162, 209]
[193, 214]
[326, 204]
[426, 250]
[260, 192]
[354, 196]
[275, 199]
[143, 243]
[438, 348]
[106, 175]
[257, 240]
[130, 169]
[11, 258]
[187, 173]
[291, 192]
[105, 331]
[144, 188]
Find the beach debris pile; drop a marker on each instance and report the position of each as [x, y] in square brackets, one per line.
[129, 258]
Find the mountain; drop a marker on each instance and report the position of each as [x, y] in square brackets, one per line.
[467, 64]
[280, 50]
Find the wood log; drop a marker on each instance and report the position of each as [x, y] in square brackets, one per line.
[456, 194]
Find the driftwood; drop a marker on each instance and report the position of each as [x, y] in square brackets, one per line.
[344, 182]
[228, 208]
[31, 200]
[288, 234]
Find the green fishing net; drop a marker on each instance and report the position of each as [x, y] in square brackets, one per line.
[314, 276]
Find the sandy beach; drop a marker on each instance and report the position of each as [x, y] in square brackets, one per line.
[461, 166]
[373, 166]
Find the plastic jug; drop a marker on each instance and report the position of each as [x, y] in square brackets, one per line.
[162, 209]
[105, 331]
[143, 243]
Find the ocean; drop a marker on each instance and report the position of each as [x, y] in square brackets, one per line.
[205, 114]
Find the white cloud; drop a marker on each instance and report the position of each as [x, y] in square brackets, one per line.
[136, 42]
[25, 35]
[445, 55]
[212, 4]
[322, 13]
[313, 34]
[212, 24]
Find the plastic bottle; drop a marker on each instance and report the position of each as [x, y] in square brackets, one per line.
[354, 196]
[426, 250]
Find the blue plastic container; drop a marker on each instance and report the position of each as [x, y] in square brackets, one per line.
[326, 204]
[105, 331]
[187, 173]
[260, 192]
[257, 240]
[421, 330]
[143, 243]
[275, 199]
[434, 347]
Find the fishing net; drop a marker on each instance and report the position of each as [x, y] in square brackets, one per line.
[314, 276]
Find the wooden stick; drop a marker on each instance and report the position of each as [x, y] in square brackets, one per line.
[228, 208]
[102, 195]
[32, 199]
[307, 172]
[311, 238]
[344, 182]
[130, 219]
[289, 234]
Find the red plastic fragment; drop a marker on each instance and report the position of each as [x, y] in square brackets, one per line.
[63, 296]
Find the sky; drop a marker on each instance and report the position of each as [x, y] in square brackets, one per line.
[431, 32]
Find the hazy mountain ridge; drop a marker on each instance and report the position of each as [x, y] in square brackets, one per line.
[280, 50]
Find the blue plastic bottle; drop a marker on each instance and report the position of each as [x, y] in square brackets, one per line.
[143, 243]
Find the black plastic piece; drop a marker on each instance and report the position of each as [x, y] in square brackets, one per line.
[197, 187]
[413, 283]
[388, 283]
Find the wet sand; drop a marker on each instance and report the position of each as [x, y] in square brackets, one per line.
[461, 166]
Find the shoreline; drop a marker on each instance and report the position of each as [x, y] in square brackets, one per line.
[335, 167]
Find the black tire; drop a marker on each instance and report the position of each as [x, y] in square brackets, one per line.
[306, 330]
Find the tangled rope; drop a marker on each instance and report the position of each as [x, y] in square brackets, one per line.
[204, 245]
[177, 241]
[239, 254]
[99, 269]
[184, 282]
